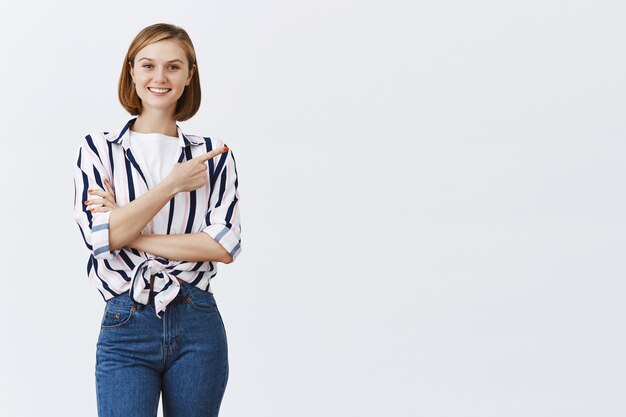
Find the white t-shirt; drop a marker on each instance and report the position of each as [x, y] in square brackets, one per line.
[156, 154]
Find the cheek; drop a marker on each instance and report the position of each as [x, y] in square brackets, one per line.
[141, 79]
[141, 74]
[179, 81]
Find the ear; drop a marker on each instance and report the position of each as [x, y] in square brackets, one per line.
[131, 70]
[193, 69]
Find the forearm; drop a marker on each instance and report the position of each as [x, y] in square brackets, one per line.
[194, 247]
[127, 222]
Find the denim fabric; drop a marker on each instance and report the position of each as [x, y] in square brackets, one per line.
[184, 355]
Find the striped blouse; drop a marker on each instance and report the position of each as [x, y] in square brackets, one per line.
[212, 209]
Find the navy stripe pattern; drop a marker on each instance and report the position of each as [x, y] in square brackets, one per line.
[212, 209]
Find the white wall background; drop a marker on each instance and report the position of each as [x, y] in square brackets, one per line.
[432, 199]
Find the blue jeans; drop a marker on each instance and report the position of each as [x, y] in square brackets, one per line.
[184, 355]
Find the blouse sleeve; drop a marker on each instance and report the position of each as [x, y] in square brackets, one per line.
[222, 217]
[89, 173]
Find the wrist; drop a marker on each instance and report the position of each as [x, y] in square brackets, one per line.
[169, 186]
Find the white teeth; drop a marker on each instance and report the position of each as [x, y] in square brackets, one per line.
[159, 90]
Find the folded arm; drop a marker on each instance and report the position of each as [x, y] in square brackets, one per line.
[106, 230]
[219, 240]
[193, 247]
[127, 222]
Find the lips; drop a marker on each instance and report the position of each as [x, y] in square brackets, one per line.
[156, 90]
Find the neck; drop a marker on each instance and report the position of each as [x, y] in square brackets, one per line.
[151, 122]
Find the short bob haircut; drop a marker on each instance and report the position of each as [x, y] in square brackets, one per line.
[189, 102]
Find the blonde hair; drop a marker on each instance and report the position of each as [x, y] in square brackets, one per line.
[189, 102]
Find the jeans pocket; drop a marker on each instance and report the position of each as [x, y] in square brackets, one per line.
[202, 300]
[116, 316]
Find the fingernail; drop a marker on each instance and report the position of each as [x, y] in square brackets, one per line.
[86, 201]
[225, 148]
[89, 190]
[91, 209]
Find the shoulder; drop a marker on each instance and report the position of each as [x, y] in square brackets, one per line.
[97, 137]
[210, 142]
[92, 140]
[95, 144]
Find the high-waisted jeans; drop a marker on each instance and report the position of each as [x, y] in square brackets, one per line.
[184, 355]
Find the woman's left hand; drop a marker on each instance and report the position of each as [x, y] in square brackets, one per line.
[107, 201]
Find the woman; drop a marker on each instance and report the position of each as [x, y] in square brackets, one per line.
[158, 209]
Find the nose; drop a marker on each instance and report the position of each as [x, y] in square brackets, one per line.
[159, 76]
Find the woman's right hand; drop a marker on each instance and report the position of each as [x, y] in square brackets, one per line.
[191, 175]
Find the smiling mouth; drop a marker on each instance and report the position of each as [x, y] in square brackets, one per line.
[159, 90]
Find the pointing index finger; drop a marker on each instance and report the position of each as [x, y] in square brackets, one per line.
[213, 153]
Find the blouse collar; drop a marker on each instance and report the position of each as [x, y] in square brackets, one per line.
[121, 137]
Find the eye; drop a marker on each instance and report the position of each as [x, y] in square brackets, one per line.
[147, 65]
[174, 66]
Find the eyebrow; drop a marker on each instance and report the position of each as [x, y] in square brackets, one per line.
[172, 60]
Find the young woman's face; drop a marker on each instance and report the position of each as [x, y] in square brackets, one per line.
[160, 74]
